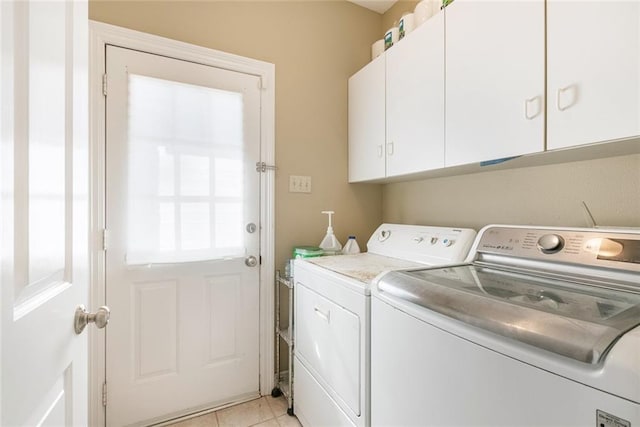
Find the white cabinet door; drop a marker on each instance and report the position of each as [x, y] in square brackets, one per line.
[494, 79]
[593, 56]
[415, 100]
[44, 240]
[367, 122]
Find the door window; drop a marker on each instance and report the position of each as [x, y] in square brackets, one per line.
[185, 172]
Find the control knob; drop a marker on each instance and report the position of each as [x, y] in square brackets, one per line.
[550, 243]
[447, 242]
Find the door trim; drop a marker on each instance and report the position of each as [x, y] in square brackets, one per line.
[101, 35]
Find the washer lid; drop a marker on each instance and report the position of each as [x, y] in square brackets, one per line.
[574, 320]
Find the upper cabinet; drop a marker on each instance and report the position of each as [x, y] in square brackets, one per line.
[593, 74]
[396, 115]
[487, 80]
[367, 122]
[495, 74]
[415, 96]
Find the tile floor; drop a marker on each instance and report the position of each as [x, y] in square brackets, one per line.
[266, 411]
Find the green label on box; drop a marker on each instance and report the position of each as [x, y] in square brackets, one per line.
[388, 40]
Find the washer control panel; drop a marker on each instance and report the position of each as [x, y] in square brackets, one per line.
[619, 248]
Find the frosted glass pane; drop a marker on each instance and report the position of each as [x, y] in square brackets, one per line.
[185, 153]
[47, 163]
[167, 227]
[150, 108]
[195, 226]
[228, 177]
[228, 225]
[227, 108]
[166, 171]
[194, 175]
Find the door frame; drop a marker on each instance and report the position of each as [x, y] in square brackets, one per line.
[101, 35]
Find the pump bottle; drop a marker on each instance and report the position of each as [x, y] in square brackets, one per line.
[330, 243]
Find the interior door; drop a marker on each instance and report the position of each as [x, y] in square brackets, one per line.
[44, 212]
[182, 258]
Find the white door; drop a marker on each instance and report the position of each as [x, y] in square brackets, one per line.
[44, 212]
[182, 258]
[494, 79]
[593, 77]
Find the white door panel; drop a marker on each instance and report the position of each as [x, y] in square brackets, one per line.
[593, 77]
[495, 71]
[367, 122]
[181, 185]
[44, 215]
[415, 100]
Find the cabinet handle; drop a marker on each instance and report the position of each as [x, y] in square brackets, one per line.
[559, 92]
[390, 149]
[526, 108]
[379, 150]
[322, 314]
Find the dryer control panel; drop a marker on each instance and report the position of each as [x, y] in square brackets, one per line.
[421, 243]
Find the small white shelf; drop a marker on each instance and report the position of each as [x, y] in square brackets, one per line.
[285, 334]
[284, 379]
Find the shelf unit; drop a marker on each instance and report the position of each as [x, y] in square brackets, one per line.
[284, 380]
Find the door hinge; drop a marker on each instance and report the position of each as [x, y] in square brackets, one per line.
[263, 167]
[262, 83]
[104, 84]
[104, 393]
[105, 239]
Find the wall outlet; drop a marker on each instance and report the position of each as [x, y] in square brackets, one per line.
[299, 184]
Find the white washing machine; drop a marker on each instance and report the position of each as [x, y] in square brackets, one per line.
[332, 307]
[538, 328]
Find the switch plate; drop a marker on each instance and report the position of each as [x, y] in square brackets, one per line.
[299, 184]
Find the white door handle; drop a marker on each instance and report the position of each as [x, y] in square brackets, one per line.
[322, 314]
[526, 108]
[390, 149]
[380, 150]
[559, 92]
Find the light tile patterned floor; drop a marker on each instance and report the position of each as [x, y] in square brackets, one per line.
[263, 412]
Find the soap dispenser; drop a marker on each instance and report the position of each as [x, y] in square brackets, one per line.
[330, 243]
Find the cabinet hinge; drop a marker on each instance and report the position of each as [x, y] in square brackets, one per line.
[105, 239]
[263, 167]
[104, 84]
[104, 393]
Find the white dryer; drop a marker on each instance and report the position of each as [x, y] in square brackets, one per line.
[332, 308]
[538, 328]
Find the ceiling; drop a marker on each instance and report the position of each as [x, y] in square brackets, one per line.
[380, 6]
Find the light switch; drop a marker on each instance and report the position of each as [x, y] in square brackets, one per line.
[299, 184]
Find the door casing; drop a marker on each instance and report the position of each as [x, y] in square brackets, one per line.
[101, 35]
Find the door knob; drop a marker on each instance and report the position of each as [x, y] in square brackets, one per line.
[251, 261]
[83, 317]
